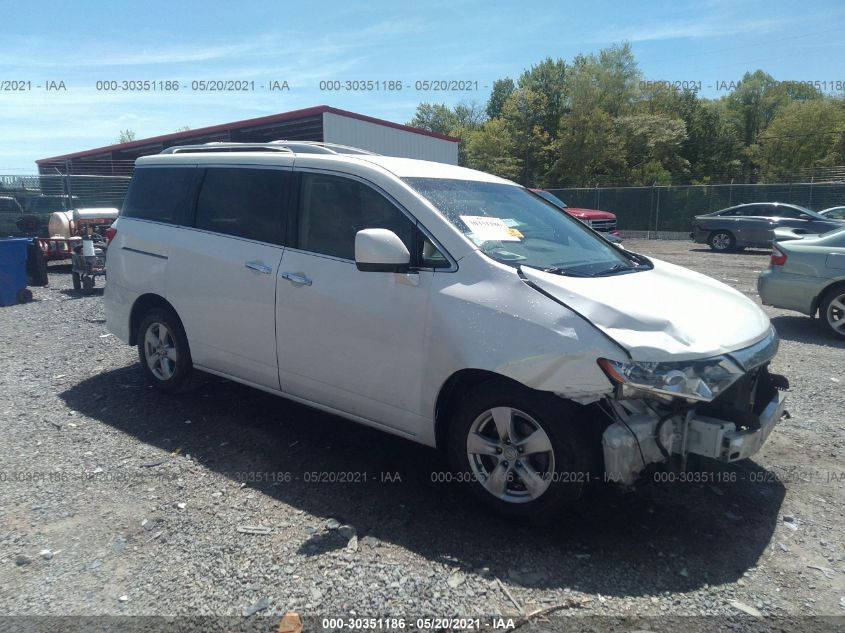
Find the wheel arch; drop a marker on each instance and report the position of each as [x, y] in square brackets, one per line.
[450, 392]
[721, 229]
[142, 305]
[465, 379]
[817, 302]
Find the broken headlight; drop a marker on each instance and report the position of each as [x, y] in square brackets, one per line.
[698, 380]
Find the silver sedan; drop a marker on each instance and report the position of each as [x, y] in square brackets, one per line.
[807, 274]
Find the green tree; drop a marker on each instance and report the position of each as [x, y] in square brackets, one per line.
[125, 136]
[502, 89]
[588, 150]
[712, 147]
[434, 117]
[491, 148]
[804, 134]
[525, 114]
[652, 147]
[754, 103]
[609, 80]
[459, 121]
[546, 80]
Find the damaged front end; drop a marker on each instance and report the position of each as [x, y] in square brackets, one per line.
[722, 408]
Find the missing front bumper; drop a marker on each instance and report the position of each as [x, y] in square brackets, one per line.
[638, 439]
[721, 440]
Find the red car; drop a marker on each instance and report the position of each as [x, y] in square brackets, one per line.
[603, 221]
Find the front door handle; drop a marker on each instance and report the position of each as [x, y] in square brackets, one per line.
[297, 279]
[258, 267]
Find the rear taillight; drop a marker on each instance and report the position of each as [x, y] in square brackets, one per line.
[778, 257]
[110, 233]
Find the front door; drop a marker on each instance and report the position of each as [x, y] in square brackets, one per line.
[350, 340]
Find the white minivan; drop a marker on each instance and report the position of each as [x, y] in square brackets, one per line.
[439, 303]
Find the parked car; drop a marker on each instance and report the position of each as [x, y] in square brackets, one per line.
[37, 210]
[807, 274]
[602, 221]
[442, 304]
[10, 215]
[834, 213]
[753, 224]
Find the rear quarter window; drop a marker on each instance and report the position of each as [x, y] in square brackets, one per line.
[161, 194]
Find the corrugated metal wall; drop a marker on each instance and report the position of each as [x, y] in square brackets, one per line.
[387, 140]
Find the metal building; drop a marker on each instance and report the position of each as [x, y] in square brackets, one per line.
[320, 123]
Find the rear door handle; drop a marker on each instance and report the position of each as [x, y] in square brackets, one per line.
[297, 279]
[258, 267]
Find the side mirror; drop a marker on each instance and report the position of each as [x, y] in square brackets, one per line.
[380, 251]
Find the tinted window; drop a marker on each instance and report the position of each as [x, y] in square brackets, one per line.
[243, 202]
[9, 205]
[162, 194]
[333, 209]
[786, 212]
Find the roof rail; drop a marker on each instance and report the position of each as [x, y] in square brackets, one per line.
[321, 147]
[225, 147]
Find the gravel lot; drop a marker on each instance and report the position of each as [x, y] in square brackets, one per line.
[115, 499]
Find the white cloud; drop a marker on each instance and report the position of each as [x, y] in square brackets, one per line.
[695, 28]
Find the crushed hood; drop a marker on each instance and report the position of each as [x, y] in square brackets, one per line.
[665, 314]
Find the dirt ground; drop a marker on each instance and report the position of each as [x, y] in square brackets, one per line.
[118, 500]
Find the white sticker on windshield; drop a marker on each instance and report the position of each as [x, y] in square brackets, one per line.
[490, 229]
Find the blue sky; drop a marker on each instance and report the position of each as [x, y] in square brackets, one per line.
[87, 41]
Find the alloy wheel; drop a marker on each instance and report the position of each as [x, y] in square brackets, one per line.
[721, 241]
[510, 455]
[836, 314]
[160, 351]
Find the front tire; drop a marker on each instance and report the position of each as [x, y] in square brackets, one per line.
[721, 241]
[832, 311]
[519, 451]
[77, 281]
[164, 352]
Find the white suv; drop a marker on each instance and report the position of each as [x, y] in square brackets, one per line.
[441, 304]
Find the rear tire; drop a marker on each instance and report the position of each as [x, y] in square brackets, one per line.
[87, 285]
[721, 241]
[519, 451]
[164, 352]
[24, 295]
[832, 311]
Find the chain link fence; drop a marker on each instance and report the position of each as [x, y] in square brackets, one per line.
[666, 212]
[26, 202]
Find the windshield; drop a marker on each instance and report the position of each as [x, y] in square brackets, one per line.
[551, 198]
[839, 240]
[513, 226]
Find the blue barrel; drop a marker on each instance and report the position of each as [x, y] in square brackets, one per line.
[12, 269]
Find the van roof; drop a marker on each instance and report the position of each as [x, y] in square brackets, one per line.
[400, 167]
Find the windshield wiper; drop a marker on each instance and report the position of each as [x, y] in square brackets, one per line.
[618, 268]
[559, 270]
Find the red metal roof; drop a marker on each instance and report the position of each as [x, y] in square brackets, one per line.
[246, 123]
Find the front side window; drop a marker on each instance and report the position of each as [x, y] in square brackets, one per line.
[332, 210]
[512, 226]
[243, 202]
[160, 194]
